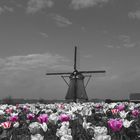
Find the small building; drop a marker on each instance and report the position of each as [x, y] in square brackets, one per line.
[134, 97]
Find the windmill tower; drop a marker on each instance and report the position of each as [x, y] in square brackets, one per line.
[76, 86]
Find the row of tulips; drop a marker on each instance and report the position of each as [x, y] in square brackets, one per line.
[73, 121]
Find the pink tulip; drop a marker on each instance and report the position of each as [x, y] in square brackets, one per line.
[25, 108]
[98, 106]
[121, 107]
[6, 125]
[9, 111]
[61, 106]
[43, 118]
[13, 118]
[135, 112]
[64, 118]
[115, 124]
[30, 116]
[114, 111]
[17, 106]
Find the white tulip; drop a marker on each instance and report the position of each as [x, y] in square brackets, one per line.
[66, 137]
[16, 125]
[127, 123]
[100, 131]
[2, 112]
[105, 137]
[44, 127]
[123, 114]
[37, 137]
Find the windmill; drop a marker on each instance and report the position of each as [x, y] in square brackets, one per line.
[76, 86]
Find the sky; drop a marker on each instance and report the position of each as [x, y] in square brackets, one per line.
[38, 36]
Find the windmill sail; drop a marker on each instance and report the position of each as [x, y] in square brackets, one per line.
[97, 71]
[59, 73]
[75, 58]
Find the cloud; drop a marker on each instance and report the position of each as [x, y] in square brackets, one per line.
[126, 41]
[24, 76]
[6, 9]
[110, 46]
[78, 4]
[134, 15]
[60, 20]
[88, 56]
[83, 29]
[44, 35]
[122, 41]
[31, 61]
[1, 10]
[129, 45]
[34, 6]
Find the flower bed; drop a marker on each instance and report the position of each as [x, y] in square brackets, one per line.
[73, 121]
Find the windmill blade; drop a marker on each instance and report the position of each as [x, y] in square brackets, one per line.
[75, 60]
[97, 71]
[59, 73]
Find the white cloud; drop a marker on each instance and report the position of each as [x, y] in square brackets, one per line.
[31, 61]
[60, 20]
[125, 38]
[122, 41]
[24, 76]
[129, 45]
[37, 5]
[44, 35]
[78, 4]
[88, 56]
[1, 10]
[6, 9]
[83, 29]
[110, 46]
[134, 15]
[126, 41]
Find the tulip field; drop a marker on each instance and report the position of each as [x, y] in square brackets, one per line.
[70, 121]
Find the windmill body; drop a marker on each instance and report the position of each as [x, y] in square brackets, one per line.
[76, 89]
[76, 86]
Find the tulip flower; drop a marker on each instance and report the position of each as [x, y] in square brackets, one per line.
[6, 125]
[34, 127]
[112, 105]
[13, 118]
[98, 130]
[44, 127]
[37, 137]
[16, 125]
[98, 106]
[135, 112]
[53, 118]
[66, 137]
[121, 107]
[8, 111]
[2, 112]
[123, 114]
[115, 124]
[127, 123]
[103, 137]
[43, 118]
[64, 118]
[63, 131]
[61, 106]
[114, 111]
[30, 116]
